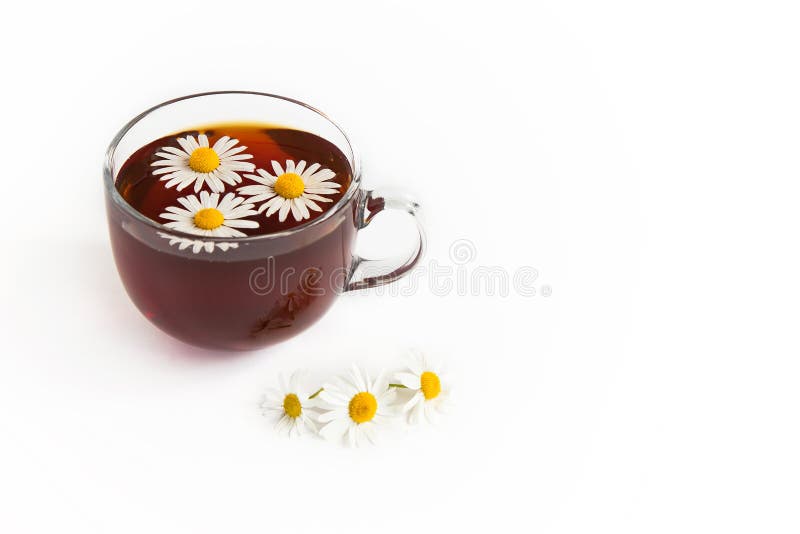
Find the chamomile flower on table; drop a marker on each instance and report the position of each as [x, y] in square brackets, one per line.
[197, 244]
[289, 405]
[195, 162]
[357, 408]
[430, 386]
[210, 216]
[297, 189]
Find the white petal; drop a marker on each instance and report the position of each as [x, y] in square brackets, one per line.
[409, 380]
[168, 170]
[221, 144]
[194, 203]
[296, 213]
[284, 210]
[381, 383]
[233, 165]
[333, 398]
[186, 145]
[240, 223]
[415, 416]
[352, 435]
[230, 152]
[318, 198]
[275, 204]
[415, 363]
[267, 176]
[173, 216]
[360, 384]
[174, 163]
[431, 414]
[175, 151]
[338, 413]
[260, 198]
[335, 430]
[321, 176]
[320, 191]
[215, 183]
[310, 171]
[301, 205]
[226, 204]
[254, 190]
[310, 203]
[369, 430]
[413, 402]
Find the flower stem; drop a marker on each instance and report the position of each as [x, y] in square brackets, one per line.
[320, 390]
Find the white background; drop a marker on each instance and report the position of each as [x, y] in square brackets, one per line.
[642, 156]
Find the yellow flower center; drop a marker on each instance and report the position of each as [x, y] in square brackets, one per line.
[430, 385]
[289, 185]
[208, 218]
[203, 160]
[363, 407]
[292, 406]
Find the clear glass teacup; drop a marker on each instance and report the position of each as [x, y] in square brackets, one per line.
[265, 288]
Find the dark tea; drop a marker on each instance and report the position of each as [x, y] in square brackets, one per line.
[235, 181]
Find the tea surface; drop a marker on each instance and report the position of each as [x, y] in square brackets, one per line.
[143, 188]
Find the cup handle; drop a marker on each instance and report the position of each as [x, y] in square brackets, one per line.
[365, 272]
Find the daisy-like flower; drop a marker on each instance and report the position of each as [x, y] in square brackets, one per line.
[210, 216]
[431, 391]
[289, 405]
[196, 244]
[196, 162]
[357, 407]
[296, 190]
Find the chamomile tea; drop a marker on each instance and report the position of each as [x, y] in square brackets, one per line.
[235, 181]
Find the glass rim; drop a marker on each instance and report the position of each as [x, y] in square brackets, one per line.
[108, 174]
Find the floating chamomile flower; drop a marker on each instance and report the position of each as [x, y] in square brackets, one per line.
[357, 408]
[210, 216]
[295, 190]
[196, 244]
[196, 162]
[289, 406]
[430, 387]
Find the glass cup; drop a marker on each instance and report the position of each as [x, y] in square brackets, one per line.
[263, 289]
